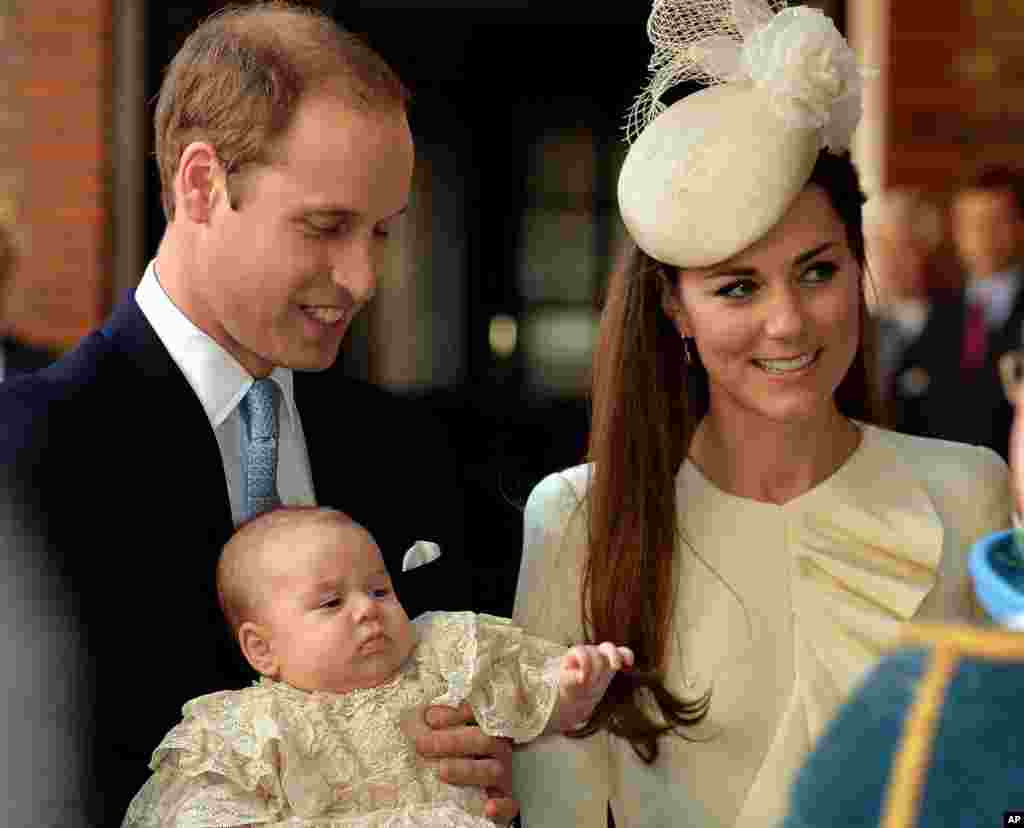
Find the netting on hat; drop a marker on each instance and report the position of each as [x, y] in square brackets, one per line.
[695, 40]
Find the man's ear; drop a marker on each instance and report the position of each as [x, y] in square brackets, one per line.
[201, 181]
[258, 649]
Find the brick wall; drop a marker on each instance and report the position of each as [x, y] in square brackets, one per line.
[928, 94]
[956, 89]
[55, 116]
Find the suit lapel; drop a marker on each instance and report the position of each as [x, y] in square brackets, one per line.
[1008, 336]
[22, 359]
[325, 419]
[172, 418]
[936, 353]
[310, 430]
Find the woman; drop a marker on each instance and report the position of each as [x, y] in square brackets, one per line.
[741, 525]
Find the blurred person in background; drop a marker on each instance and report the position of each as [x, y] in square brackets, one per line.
[952, 368]
[16, 357]
[44, 768]
[902, 229]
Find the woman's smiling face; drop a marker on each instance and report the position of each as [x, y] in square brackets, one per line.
[777, 325]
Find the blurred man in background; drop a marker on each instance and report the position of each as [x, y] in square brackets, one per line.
[902, 229]
[16, 357]
[952, 368]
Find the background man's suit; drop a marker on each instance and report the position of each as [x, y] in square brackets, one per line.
[111, 452]
[20, 358]
[932, 396]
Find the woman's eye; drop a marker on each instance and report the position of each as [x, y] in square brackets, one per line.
[381, 592]
[331, 604]
[739, 289]
[821, 272]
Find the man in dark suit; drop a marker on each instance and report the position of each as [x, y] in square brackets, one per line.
[902, 228]
[16, 357]
[286, 160]
[948, 384]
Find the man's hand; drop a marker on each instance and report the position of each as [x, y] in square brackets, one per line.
[470, 757]
[587, 670]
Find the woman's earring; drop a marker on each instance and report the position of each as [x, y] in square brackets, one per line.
[686, 349]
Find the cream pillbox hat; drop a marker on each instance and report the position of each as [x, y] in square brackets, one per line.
[709, 175]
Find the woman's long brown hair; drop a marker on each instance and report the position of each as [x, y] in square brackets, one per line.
[646, 404]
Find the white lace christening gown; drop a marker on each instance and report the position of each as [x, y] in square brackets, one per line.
[278, 756]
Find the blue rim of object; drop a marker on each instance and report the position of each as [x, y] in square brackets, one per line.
[995, 593]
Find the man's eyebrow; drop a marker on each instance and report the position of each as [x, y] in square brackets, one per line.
[335, 211]
[752, 271]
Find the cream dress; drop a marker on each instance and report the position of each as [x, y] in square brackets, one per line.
[277, 756]
[781, 609]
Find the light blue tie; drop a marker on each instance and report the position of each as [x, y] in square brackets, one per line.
[259, 447]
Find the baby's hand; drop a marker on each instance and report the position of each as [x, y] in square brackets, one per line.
[587, 670]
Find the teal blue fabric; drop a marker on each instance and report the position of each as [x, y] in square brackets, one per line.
[976, 768]
[844, 780]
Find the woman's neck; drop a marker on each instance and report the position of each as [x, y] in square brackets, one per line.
[772, 462]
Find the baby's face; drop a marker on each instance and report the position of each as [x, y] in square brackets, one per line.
[333, 614]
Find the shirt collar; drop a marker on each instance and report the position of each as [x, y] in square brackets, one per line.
[996, 294]
[909, 315]
[998, 283]
[216, 377]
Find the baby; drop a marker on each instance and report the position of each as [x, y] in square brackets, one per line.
[323, 737]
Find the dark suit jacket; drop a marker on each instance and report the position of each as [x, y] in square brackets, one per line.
[111, 453]
[932, 397]
[21, 358]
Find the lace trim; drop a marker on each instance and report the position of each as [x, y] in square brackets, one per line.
[273, 754]
[506, 675]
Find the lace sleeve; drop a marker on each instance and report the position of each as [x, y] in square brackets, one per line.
[509, 678]
[218, 768]
[172, 798]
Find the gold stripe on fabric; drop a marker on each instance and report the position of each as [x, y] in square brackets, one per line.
[993, 643]
[911, 763]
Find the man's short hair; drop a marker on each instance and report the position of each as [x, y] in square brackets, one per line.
[997, 178]
[910, 209]
[238, 79]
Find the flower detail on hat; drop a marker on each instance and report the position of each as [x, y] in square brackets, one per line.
[796, 55]
[810, 71]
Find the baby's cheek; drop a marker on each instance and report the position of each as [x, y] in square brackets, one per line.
[408, 639]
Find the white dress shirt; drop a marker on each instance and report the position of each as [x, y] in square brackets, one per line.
[908, 315]
[997, 295]
[220, 382]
